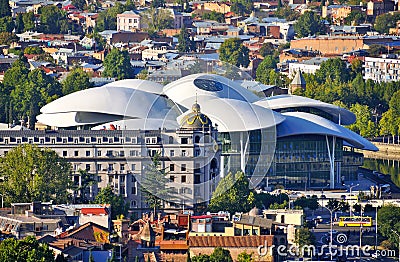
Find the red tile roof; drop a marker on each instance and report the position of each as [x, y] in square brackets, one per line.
[94, 211]
[230, 241]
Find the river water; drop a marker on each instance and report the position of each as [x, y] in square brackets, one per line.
[385, 166]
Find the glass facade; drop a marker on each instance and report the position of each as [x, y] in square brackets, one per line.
[295, 162]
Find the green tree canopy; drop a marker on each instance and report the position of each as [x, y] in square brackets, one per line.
[154, 20]
[386, 21]
[215, 16]
[309, 23]
[356, 17]
[6, 24]
[185, 44]
[19, 24]
[76, 80]
[28, 249]
[334, 69]
[50, 19]
[234, 52]
[233, 195]
[118, 206]
[388, 221]
[7, 38]
[107, 20]
[154, 184]
[29, 21]
[221, 255]
[117, 64]
[304, 237]
[363, 120]
[26, 171]
[242, 7]
[5, 9]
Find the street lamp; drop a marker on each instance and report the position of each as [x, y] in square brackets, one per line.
[331, 237]
[322, 194]
[351, 188]
[399, 241]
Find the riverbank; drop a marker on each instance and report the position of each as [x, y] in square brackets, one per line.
[386, 151]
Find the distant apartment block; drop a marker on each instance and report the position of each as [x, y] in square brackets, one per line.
[307, 66]
[128, 21]
[382, 69]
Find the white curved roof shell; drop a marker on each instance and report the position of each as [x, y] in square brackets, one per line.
[184, 90]
[142, 124]
[138, 84]
[235, 115]
[299, 123]
[292, 101]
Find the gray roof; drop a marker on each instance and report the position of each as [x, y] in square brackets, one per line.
[299, 79]
[254, 221]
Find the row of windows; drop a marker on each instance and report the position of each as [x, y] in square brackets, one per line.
[109, 153]
[69, 140]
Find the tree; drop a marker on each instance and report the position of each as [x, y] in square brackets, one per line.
[363, 120]
[267, 49]
[80, 4]
[309, 23]
[117, 64]
[201, 258]
[389, 124]
[28, 249]
[234, 52]
[26, 171]
[185, 44]
[76, 80]
[19, 24]
[356, 17]
[29, 21]
[332, 204]
[83, 190]
[385, 21]
[107, 20]
[242, 7]
[303, 237]
[33, 50]
[233, 195]
[7, 38]
[287, 13]
[158, 3]
[394, 104]
[303, 202]
[6, 24]
[215, 16]
[107, 196]
[154, 20]
[221, 255]
[50, 19]
[5, 9]
[265, 69]
[377, 50]
[334, 69]
[154, 184]
[244, 257]
[388, 221]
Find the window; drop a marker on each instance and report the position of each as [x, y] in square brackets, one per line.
[183, 167]
[133, 167]
[172, 178]
[121, 153]
[183, 152]
[133, 190]
[184, 140]
[171, 167]
[110, 167]
[122, 167]
[76, 153]
[171, 153]
[87, 167]
[87, 153]
[109, 153]
[133, 153]
[99, 153]
[197, 152]
[98, 167]
[65, 153]
[183, 179]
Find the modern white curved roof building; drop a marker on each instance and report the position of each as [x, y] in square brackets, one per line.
[308, 131]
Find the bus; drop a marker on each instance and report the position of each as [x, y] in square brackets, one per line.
[355, 221]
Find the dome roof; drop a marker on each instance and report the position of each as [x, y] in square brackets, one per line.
[195, 119]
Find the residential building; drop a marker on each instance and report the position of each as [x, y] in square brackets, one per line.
[306, 66]
[382, 69]
[128, 21]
